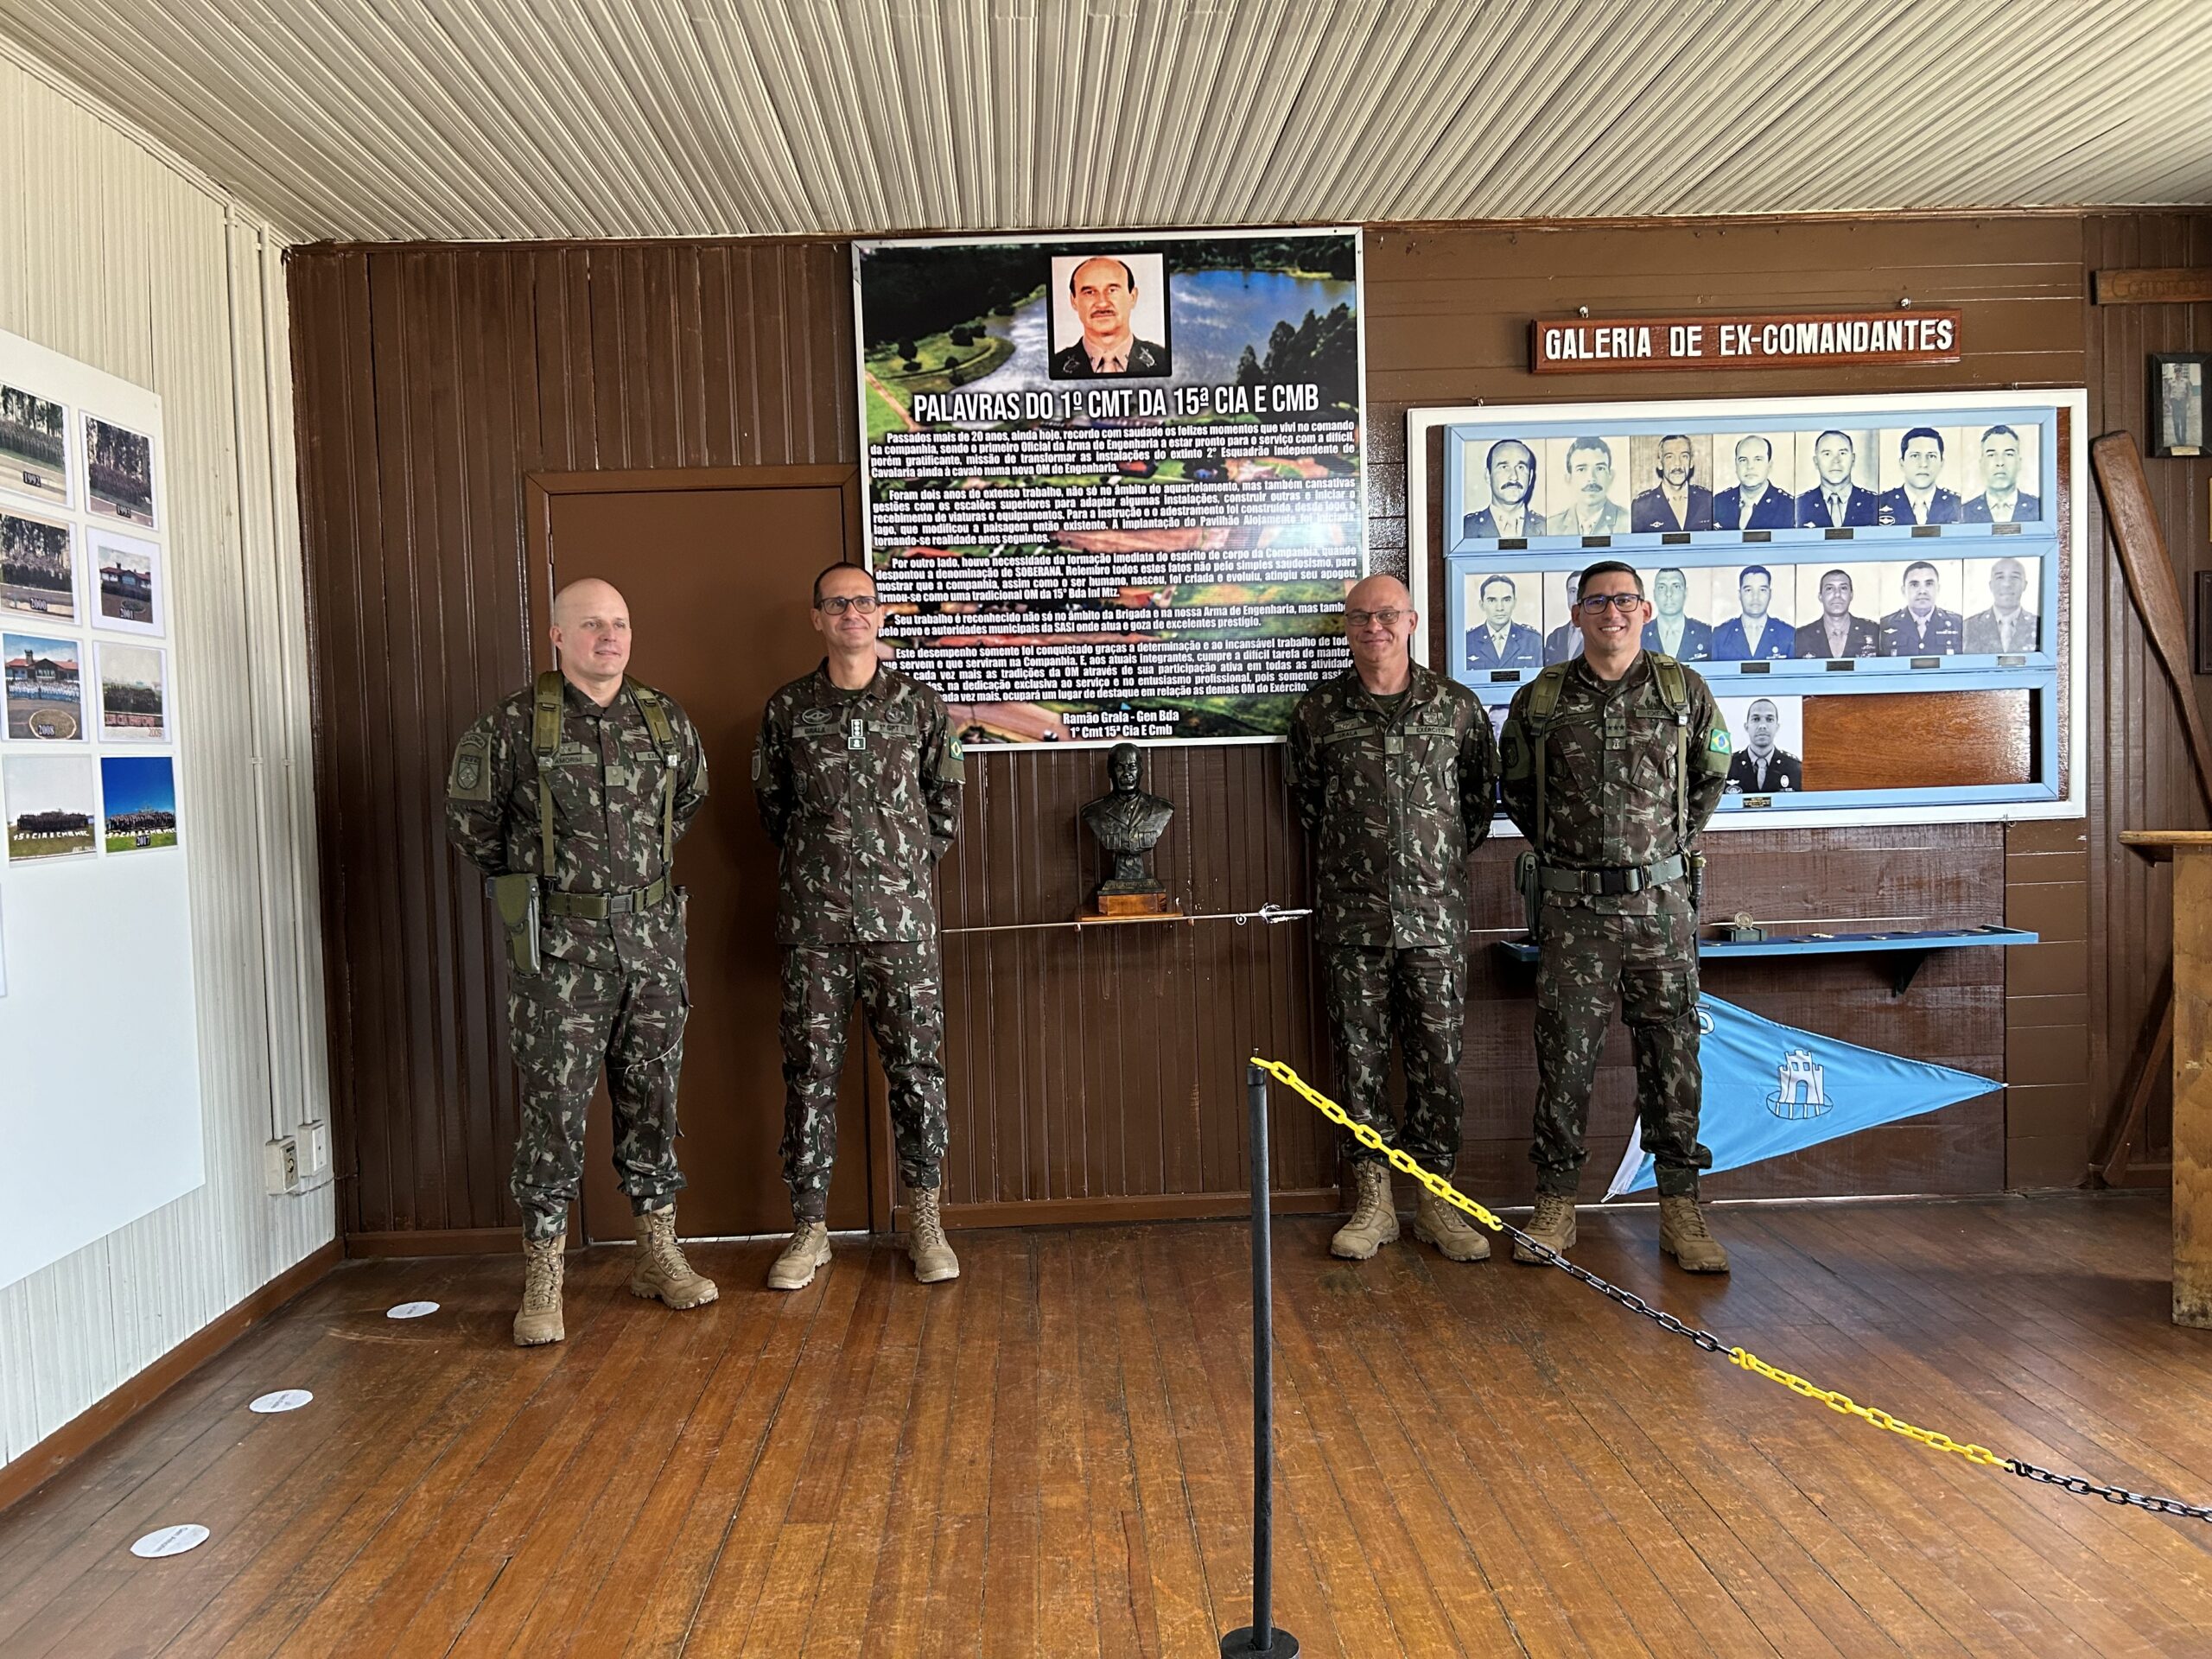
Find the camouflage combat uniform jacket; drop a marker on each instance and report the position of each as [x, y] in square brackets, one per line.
[860, 793]
[1392, 803]
[607, 816]
[1610, 785]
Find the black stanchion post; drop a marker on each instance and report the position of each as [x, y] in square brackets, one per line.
[1261, 1636]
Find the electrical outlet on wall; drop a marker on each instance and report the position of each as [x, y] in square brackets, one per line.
[281, 1165]
[315, 1148]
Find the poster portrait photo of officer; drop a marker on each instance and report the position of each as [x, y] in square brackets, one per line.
[1760, 767]
[858, 774]
[1920, 500]
[1921, 628]
[570, 797]
[1497, 640]
[1511, 467]
[1102, 294]
[1754, 634]
[1836, 632]
[1589, 509]
[1611, 766]
[2007, 626]
[1677, 501]
[1836, 500]
[1671, 631]
[1393, 774]
[2002, 501]
[1752, 502]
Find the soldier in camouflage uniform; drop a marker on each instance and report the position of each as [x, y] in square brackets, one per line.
[580, 785]
[1611, 766]
[858, 774]
[1395, 776]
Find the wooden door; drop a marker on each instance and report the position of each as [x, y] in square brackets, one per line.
[718, 568]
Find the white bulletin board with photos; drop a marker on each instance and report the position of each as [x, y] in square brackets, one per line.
[1880, 591]
[97, 1011]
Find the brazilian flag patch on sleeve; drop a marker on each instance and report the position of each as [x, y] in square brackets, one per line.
[1718, 742]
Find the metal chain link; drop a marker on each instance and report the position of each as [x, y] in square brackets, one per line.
[1740, 1357]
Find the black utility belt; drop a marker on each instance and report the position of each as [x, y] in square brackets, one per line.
[599, 906]
[1627, 878]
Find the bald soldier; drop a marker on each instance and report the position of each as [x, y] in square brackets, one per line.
[1393, 773]
[570, 796]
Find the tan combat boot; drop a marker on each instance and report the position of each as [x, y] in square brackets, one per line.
[1553, 1224]
[661, 1271]
[1447, 1227]
[1374, 1216]
[539, 1319]
[1683, 1235]
[933, 1259]
[793, 1267]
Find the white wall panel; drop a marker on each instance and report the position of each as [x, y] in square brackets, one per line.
[125, 258]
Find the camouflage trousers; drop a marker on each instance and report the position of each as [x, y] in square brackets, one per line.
[566, 1021]
[1419, 996]
[1649, 965]
[897, 983]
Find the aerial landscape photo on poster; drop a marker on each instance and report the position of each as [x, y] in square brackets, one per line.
[1113, 483]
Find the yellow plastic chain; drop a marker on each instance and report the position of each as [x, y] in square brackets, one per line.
[1738, 1357]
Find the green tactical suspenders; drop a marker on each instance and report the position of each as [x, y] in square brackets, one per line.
[1674, 693]
[545, 742]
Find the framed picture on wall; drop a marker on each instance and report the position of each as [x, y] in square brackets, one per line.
[2177, 403]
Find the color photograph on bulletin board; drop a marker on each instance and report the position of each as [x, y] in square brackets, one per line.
[1823, 562]
[1112, 484]
[95, 803]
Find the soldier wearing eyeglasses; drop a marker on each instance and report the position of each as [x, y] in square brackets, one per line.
[858, 775]
[1611, 764]
[1393, 774]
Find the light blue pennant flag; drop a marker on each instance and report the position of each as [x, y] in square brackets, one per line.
[1772, 1088]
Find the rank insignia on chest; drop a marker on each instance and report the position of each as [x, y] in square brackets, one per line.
[1394, 744]
[857, 733]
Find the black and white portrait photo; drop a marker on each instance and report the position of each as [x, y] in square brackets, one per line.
[1503, 492]
[2178, 403]
[1769, 733]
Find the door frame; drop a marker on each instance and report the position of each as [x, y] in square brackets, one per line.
[539, 488]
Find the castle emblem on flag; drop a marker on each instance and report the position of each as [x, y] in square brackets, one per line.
[1801, 1086]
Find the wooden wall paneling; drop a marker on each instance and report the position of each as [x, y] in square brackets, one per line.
[1447, 314]
[2140, 771]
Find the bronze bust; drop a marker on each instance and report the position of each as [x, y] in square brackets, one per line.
[1128, 825]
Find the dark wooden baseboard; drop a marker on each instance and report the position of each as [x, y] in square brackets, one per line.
[442, 1240]
[88, 1427]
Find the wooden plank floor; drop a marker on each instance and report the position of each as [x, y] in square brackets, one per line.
[1051, 1457]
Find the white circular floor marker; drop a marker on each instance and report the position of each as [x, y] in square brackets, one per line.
[410, 1310]
[170, 1540]
[282, 1400]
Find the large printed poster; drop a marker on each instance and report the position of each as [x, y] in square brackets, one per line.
[1114, 483]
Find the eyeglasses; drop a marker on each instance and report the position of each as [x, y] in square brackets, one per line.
[838, 604]
[1362, 618]
[1595, 605]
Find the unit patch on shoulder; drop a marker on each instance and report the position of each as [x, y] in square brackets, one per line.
[471, 777]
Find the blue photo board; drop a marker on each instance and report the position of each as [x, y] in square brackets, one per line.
[1795, 549]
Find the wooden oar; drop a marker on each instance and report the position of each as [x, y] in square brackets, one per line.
[2151, 579]
[2150, 574]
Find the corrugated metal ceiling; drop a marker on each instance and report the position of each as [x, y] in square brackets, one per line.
[469, 120]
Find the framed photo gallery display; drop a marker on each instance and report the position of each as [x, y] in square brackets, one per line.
[1881, 591]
